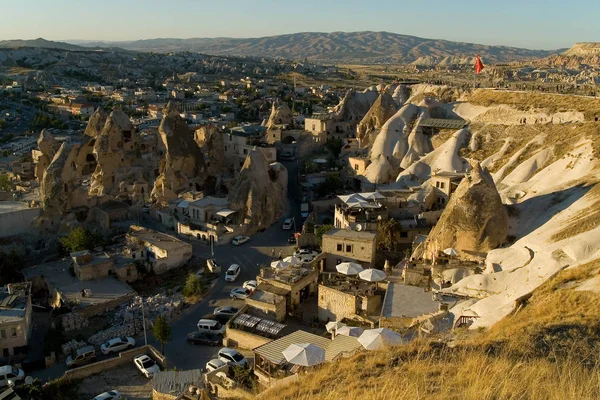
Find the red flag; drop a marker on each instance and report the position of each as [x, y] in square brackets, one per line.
[478, 65]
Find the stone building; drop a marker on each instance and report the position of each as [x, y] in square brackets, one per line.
[341, 298]
[88, 266]
[163, 252]
[341, 245]
[15, 320]
[295, 284]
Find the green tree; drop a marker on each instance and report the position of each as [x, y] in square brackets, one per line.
[244, 377]
[162, 332]
[322, 230]
[332, 184]
[81, 239]
[193, 285]
[334, 145]
[5, 183]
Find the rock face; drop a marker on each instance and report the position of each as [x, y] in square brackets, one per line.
[280, 115]
[48, 146]
[355, 105]
[383, 109]
[259, 192]
[183, 167]
[474, 221]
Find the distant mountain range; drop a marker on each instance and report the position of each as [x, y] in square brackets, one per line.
[359, 47]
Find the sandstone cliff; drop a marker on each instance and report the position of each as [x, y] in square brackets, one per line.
[213, 147]
[474, 221]
[259, 192]
[280, 115]
[183, 167]
[48, 146]
[383, 109]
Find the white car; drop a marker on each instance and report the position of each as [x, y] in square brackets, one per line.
[117, 344]
[226, 310]
[306, 255]
[214, 364]
[240, 293]
[111, 395]
[8, 372]
[239, 240]
[146, 365]
[287, 224]
[211, 326]
[231, 356]
[250, 285]
[232, 273]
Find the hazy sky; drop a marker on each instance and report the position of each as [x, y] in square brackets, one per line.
[548, 24]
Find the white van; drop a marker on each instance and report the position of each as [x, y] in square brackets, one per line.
[211, 326]
[232, 273]
[9, 372]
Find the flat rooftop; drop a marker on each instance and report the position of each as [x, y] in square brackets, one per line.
[158, 239]
[288, 275]
[12, 206]
[407, 301]
[177, 382]
[57, 274]
[348, 234]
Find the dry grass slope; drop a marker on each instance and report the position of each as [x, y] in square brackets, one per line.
[548, 350]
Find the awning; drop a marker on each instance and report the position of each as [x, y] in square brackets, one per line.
[226, 212]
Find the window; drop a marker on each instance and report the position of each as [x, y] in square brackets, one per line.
[442, 185]
[403, 234]
[13, 332]
[313, 127]
[339, 248]
[3, 334]
[356, 167]
[348, 248]
[5, 352]
[245, 151]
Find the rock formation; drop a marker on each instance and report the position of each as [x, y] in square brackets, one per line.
[259, 192]
[48, 146]
[213, 147]
[355, 105]
[183, 167]
[280, 115]
[401, 94]
[474, 221]
[382, 110]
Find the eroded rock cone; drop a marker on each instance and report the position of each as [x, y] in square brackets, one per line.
[474, 221]
[383, 109]
[259, 192]
[280, 115]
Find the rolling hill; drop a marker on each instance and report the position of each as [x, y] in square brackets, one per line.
[365, 47]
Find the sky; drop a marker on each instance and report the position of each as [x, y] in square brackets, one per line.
[534, 24]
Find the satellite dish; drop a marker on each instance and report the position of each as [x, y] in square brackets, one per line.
[359, 227]
[28, 380]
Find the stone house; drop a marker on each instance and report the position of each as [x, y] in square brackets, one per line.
[239, 142]
[445, 184]
[340, 245]
[15, 320]
[163, 252]
[88, 266]
[295, 284]
[268, 303]
[339, 299]
[85, 109]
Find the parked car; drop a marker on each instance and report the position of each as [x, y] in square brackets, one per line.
[287, 224]
[117, 344]
[239, 240]
[239, 293]
[81, 356]
[226, 310]
[222, 318]
[8, 372]
[111, 395]
[306, 255]
[231, 356]
[210, 326]
[206, 338]
[232, 273]
[292, 239]
[214, 364]
[250, 285]
[146, 365]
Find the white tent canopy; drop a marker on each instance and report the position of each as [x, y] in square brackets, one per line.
[333, 326]
[353, 331]
[452, 252]
[279, 264]
[226, 212]
[292, 260]
[304, 354]
[349, 268]
[375, 339]
[372, 196]
[372, 275]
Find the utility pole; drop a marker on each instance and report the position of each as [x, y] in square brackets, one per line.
[144, 323]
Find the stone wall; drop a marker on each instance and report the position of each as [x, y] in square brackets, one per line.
[244, 340]
[370, 304]
[277, 310]
[125, 357]
[18, 222]
[334, 305]
[94, 271]
[101, 308]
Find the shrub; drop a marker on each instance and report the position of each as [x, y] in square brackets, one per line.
[193, 285]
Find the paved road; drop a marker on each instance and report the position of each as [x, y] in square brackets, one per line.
[249, 256]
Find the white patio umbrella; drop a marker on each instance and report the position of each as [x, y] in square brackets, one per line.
[375, 339]
[293, 260]
[372, 275]
[450, 251]
[279, 264]
[305, 354]
[333, 326]
[349, 268]
[354, 331]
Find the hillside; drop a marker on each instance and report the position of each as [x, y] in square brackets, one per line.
[548, 350]
[360, 47]
[41, 43]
